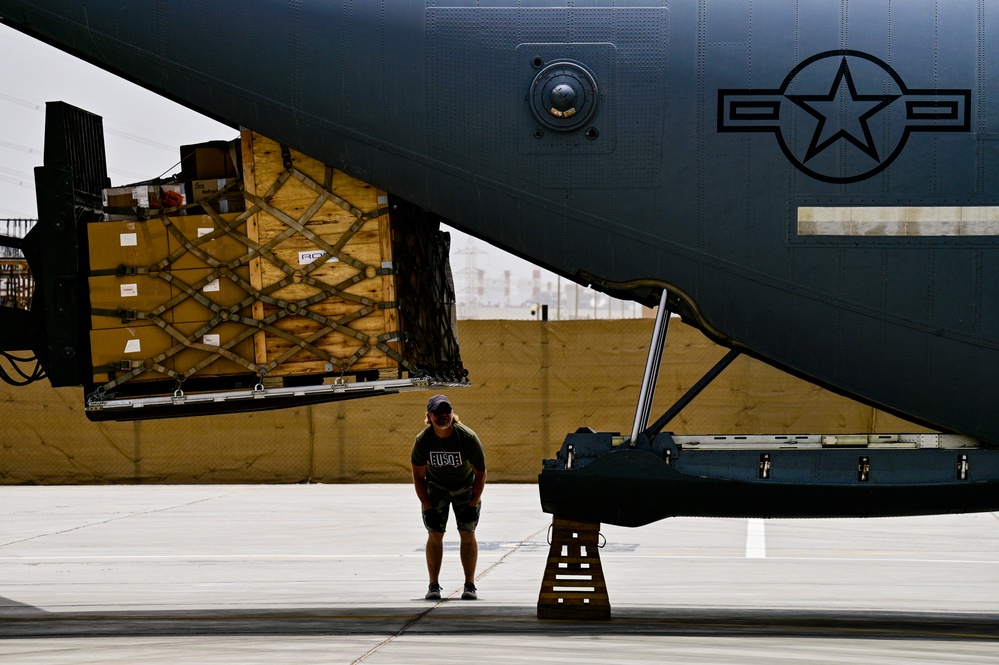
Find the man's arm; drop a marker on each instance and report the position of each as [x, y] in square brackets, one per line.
[420, 482]
[477, 487]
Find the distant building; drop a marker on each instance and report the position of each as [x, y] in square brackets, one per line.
[16, 283]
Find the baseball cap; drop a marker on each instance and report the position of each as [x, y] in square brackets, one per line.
[436, 401]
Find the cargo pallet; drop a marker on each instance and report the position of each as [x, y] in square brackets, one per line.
[256, 277]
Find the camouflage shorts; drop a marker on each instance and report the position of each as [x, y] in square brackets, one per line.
[441, 499]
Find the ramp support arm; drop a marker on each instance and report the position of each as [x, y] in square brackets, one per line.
[693, 392]
[652, 364]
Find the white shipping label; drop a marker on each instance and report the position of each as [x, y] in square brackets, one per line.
[211, 340]
[129, 239]
[212, 286]
[305, 258]
[204, 231]
[141, 196]
[129, 290]
[133, 346]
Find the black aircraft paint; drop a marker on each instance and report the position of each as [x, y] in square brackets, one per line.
[677, 144]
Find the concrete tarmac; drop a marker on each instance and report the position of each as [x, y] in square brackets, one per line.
[336, 574]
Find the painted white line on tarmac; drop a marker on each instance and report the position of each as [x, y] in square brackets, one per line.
[845, 559]
[756, 539]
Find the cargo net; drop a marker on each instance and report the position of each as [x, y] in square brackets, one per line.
[425, 287]
[285, 277]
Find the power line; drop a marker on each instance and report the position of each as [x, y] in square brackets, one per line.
[16, 181]
[140, 139]
[20, 101]
[22, 148]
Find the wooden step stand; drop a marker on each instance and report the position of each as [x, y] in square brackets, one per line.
[574, 586]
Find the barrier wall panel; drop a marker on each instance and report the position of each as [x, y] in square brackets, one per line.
[532, 383]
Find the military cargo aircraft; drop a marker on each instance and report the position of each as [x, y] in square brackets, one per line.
[814, 184]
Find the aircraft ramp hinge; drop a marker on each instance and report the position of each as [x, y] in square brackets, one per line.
[765, 466]
[864, 469]
[962, 467]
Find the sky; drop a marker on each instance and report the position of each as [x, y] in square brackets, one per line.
[143, 133]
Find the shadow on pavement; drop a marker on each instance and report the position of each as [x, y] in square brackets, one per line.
[480, 618]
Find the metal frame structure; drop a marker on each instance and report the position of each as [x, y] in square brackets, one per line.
[651, 376]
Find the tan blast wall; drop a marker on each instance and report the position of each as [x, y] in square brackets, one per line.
[533, 383]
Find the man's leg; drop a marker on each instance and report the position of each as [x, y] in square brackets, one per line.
[435, 520]
[469, 551]
[435, 554]
[467, 518]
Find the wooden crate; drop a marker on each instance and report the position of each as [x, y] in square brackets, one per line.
[325, 266]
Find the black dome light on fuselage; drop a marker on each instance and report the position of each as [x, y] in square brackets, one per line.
[564, 96]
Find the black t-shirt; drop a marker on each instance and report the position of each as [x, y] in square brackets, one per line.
[449, 461]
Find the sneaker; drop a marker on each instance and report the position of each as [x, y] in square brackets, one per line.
[469, 593]
[433, 591]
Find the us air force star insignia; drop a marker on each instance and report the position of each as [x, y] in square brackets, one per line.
[846, 109]
[843, 116]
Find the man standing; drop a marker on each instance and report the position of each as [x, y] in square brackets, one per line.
[449, 470]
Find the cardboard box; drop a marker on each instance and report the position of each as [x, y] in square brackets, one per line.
[219, 336]
[222, 194]
[117, 350]
[140, 293]
[125, 203]
[222, 247]
[213, 159]
[132, 346]
[126, 242]
[132, 196]
[221, 290]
